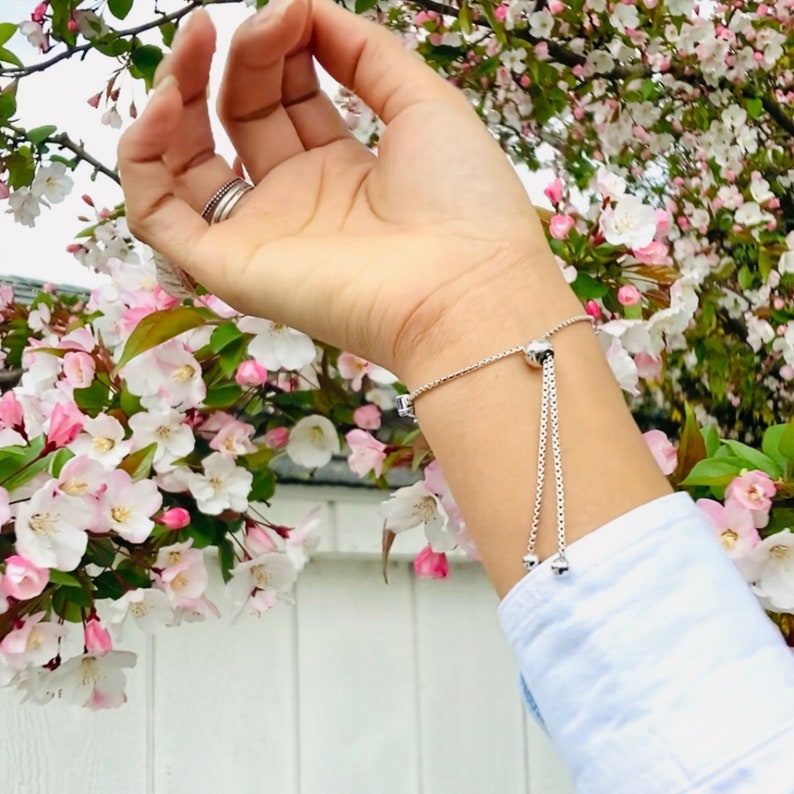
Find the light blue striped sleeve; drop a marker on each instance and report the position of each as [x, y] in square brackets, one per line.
[651, 665]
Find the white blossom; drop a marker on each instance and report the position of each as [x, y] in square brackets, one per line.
[313, 441]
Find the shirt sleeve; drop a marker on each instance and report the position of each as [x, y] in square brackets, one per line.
[651, 665]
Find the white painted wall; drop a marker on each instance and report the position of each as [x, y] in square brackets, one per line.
[361, 688]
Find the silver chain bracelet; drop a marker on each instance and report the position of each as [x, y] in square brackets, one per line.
[539, 354]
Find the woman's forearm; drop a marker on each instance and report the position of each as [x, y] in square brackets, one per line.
[483, 427]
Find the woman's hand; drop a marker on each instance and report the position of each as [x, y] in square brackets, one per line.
[385, 256]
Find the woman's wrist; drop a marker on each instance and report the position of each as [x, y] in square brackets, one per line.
[484, 427]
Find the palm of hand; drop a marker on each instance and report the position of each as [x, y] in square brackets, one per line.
[354, 249]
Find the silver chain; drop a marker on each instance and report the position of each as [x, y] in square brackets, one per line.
[539, 353]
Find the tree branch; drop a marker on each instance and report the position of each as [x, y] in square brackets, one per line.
[63, 141]
[69, 52]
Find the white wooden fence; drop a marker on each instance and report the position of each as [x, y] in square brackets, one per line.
[361, 688]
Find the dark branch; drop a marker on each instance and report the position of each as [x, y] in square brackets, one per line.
[70, 52]
[63, 141]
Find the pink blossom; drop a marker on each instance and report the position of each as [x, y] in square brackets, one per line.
[354, 369]
[664, 453]
[79, 369]
[367, 417]
[182, 574]
[629, 295]
[258, 540]
[22, 579]
[94, 100]
[96, 638]
[66, 421]
[11, 414]
[250, 373]
[753, 490]
[367, 453]
[277, 438]
[593, 309]
[4, 191]
[648, 367]
[233, 438]
[32, 644]
[560, 226]
[655, 253]
[174, 518]
[429, 564]
[437, 484]
[733, 525]
[554, 191]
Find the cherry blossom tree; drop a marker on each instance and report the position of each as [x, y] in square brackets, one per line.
[144, 427]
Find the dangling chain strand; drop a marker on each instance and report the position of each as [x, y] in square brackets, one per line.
[539, 354]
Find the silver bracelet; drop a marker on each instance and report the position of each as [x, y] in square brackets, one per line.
[539, 354]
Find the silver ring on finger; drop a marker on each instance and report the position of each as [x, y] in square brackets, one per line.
[224, 200]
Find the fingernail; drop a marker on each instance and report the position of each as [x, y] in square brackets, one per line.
[186, 23]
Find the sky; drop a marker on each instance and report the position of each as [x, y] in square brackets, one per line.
[59, 96]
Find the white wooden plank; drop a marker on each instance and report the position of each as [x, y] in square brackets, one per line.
[358, 720]
[359, 530]
[61, 748]
[547, 775]
[225, 706]
[472, 731]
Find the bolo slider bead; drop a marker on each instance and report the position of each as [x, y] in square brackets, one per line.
[530, 561]
[560, 565]
[537, 351]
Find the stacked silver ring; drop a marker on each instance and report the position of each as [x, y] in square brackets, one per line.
[224, 200]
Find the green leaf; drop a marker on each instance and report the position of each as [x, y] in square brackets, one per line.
[745, 277]
[8, 106]
[263, 486]
[786, 445]
[138, 464]
[755, 108]
[93, 399]
[779, 518]
[754, 458]
[586, 287]
[6, 56]
[771, 444]
[711, 438]
[464, 17]
[120, 8]
[7, 30]
[108, 586]
[39, 134]
[145, 59]
[168, 31]
[713, 471]
[159, 327]
[224, 396]
[59, 459]
[101, 551]
[231, 356]
[134, 574]
[224, 335]
[21, 168]
[70, 603]
[365, 5]
[64, 579]
[226, 558]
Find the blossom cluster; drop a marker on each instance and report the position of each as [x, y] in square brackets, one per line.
[135, 457]
[744, 493]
